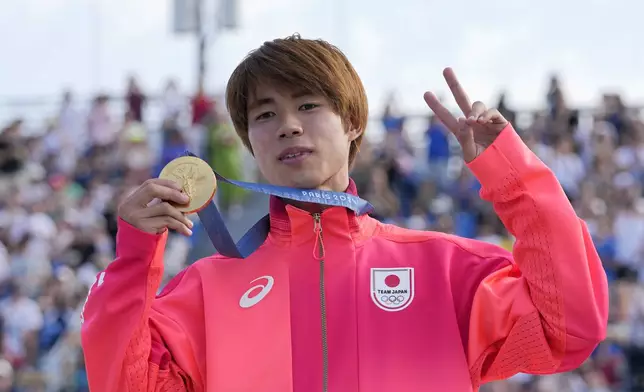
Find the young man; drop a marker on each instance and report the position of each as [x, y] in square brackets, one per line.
[337, 302]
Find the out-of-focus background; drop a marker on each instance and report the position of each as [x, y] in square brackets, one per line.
[96, 96]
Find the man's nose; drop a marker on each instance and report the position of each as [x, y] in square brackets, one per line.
[291, 127]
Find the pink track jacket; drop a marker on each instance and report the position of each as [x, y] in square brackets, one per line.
[333, 302]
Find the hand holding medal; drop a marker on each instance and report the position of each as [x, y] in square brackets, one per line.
[186, 185]
[197, 181]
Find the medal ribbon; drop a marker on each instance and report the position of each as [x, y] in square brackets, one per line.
[223, 241]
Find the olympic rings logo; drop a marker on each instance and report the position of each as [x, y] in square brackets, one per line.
[392, 299]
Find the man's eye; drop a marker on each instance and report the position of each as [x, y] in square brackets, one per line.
[308, 106]
[265, 115]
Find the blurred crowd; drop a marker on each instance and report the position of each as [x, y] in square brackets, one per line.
[59, 189]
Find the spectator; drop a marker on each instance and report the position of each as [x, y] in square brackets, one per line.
[202, 105]
[568, 166]
[224, 154]
[381, 197]
[135, 99]
[438, 151]
[173, 103]
[101, 129]
[23, 320]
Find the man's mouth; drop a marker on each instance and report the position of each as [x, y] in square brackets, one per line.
[294, 154]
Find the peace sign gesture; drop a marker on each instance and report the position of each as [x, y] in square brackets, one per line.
[480, 126]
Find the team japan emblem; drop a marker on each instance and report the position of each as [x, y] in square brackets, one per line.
[392, 289]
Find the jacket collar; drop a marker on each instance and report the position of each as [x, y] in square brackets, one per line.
[292, 226]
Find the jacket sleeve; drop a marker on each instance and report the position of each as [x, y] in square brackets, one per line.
[123, 350]
[547, 310]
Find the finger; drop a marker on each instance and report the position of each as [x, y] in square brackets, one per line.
[491, 116]
[465, 138]
[458, 92]
[167, 221]
[159, 189]
[445, 116]
[165, 209]
[165, 182]
[478, 109]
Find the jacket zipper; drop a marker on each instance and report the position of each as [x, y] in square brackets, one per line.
[318, 254]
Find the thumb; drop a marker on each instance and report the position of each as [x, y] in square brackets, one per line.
[465, 137]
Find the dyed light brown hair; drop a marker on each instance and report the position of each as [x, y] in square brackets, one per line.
[295, 63]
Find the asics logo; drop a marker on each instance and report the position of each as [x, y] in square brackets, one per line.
[246, 301]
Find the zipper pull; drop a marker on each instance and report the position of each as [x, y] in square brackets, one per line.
[317, 223]
[318, 249]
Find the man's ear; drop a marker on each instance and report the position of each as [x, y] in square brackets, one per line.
[353, 134]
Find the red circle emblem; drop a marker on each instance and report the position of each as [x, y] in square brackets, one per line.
[392, 281]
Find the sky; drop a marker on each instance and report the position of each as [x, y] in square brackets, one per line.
[401, 46]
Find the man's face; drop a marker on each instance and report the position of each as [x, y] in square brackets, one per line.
[298, 140]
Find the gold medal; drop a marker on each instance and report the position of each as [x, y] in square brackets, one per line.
[197, 181]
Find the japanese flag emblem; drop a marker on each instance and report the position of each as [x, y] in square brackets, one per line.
[392, 289]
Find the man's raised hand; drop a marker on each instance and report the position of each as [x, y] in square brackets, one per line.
[479, 126]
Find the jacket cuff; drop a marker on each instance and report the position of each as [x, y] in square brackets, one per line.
[508, 155]
[133, 242]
